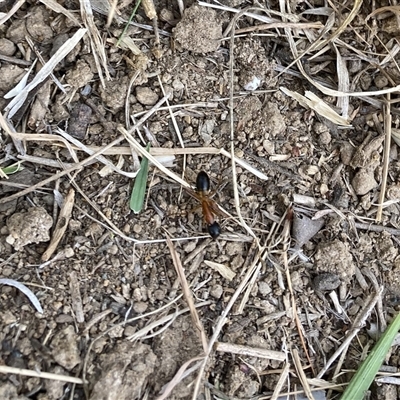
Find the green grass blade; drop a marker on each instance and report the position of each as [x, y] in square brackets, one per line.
[129, 21]
[365, 375]
[139, 187]
[12, 169]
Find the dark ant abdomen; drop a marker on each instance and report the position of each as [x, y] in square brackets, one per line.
[202, 182]
[214, 229]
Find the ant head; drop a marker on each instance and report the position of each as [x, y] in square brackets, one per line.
[214, 230]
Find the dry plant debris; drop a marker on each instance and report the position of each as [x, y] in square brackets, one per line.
[290, 108]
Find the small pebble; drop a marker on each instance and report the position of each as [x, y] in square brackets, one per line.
[264, 288]
[326, 282]
[364, 181]
[146, 96]
[159, 294]
[140, 307]
[216, 291]
[7, 47]
[129, 331]
[137, 228]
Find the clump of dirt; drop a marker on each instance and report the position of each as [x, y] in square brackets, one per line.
[335, 257]
[199, 30]
[32, 226]
[123, 372]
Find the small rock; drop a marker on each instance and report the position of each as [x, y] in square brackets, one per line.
[264, 288]
[381, 81]
[29, 227]
[346, 153]
[129, 330]
[140, 307]
[364, 181]
[159, 294]
[65, 348]
[7, 47]
[326, 282]
[146, 96]
[10, 76]
[335, 258]
[252, 84]
[9, 392]
[55, 388]
[199, 30]
[324, 138]
[217, 291]
[80, 75]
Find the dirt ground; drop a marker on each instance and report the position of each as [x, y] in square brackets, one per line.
[290, 276]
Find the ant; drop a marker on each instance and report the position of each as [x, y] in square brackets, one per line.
[209, 207]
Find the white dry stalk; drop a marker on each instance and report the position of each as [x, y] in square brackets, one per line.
[250, 351]
[5, 17]
[144, 153]
[46, 138]
[100, 158]
[357, 325]
[81, 163]
[4, 369]
[21, 84]
[76, 299]
[159, 151]
[301, 375]
[311, 100]
[47, 69]
[282, 379]
[61, 225]
[42, 61]
[386, 158]
[232, 129]
[59, 9]
[222, 269]
[343, 83]
[98, 48]
[187, 293]
[26, 291]
[223, 318]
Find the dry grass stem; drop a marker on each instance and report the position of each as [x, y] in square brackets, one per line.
[281, 382]
[301, 374]
[222, 269]
[97, 45]
[59, 9]
[249, 351]
[223, 317]
[276, 25]
[42, 61]
[386, 157]
[377, 228]
[357, 325]
[46, 70]
[81, 163]
[42, 375]
[187, 294]
[76, 299]
[231, 125]
[179, 376]
[13, 10]
[61, 226]
[45, 161]
[100, 158]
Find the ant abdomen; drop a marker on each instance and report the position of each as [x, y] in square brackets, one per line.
[214, 229]
[202, 182]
